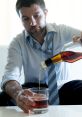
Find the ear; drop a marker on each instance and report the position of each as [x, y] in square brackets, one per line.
[45, 12]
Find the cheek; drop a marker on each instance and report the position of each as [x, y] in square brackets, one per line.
[43, 21]
[26, 26]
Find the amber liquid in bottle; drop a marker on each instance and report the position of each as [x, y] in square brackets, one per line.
[65, 56]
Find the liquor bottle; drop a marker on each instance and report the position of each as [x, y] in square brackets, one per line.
[64, 56]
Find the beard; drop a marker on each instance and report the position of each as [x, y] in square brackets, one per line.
[36, 31]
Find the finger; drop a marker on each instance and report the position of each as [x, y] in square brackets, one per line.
[76, 38]
[81, 35]
[20, 103]
[81, 38]
[27, 101]
[26, 107]
[26, 110]
[27, 92]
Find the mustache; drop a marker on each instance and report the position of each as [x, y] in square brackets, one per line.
[35, 27]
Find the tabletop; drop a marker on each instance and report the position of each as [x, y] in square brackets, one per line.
[53, 111]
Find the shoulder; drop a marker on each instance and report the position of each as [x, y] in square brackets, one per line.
[19, 38]
[17, 42]
[56, 27]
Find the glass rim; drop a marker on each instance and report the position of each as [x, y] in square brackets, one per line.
[40, 89]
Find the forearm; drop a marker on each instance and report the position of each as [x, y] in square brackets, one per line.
[12, 88]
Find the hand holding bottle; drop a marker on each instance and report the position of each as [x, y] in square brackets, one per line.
[78, 39]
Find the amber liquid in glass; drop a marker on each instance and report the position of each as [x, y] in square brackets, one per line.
[41, 100]
[41, 103]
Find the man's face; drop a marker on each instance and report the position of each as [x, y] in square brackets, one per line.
[33, 18]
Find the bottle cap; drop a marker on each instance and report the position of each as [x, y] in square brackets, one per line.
[43, 65]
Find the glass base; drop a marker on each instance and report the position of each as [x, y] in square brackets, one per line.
[40, 110]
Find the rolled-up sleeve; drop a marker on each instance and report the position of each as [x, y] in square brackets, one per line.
[14, 63]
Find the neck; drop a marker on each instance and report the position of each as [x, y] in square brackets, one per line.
[40, 36]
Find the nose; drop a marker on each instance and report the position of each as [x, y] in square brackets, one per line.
[33, 21]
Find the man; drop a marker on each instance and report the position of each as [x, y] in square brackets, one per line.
[38, 42]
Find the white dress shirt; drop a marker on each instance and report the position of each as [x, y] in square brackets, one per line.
[26, 52]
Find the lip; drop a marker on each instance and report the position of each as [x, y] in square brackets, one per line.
[34, 28]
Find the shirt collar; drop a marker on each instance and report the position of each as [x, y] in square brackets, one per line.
[50, 28]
